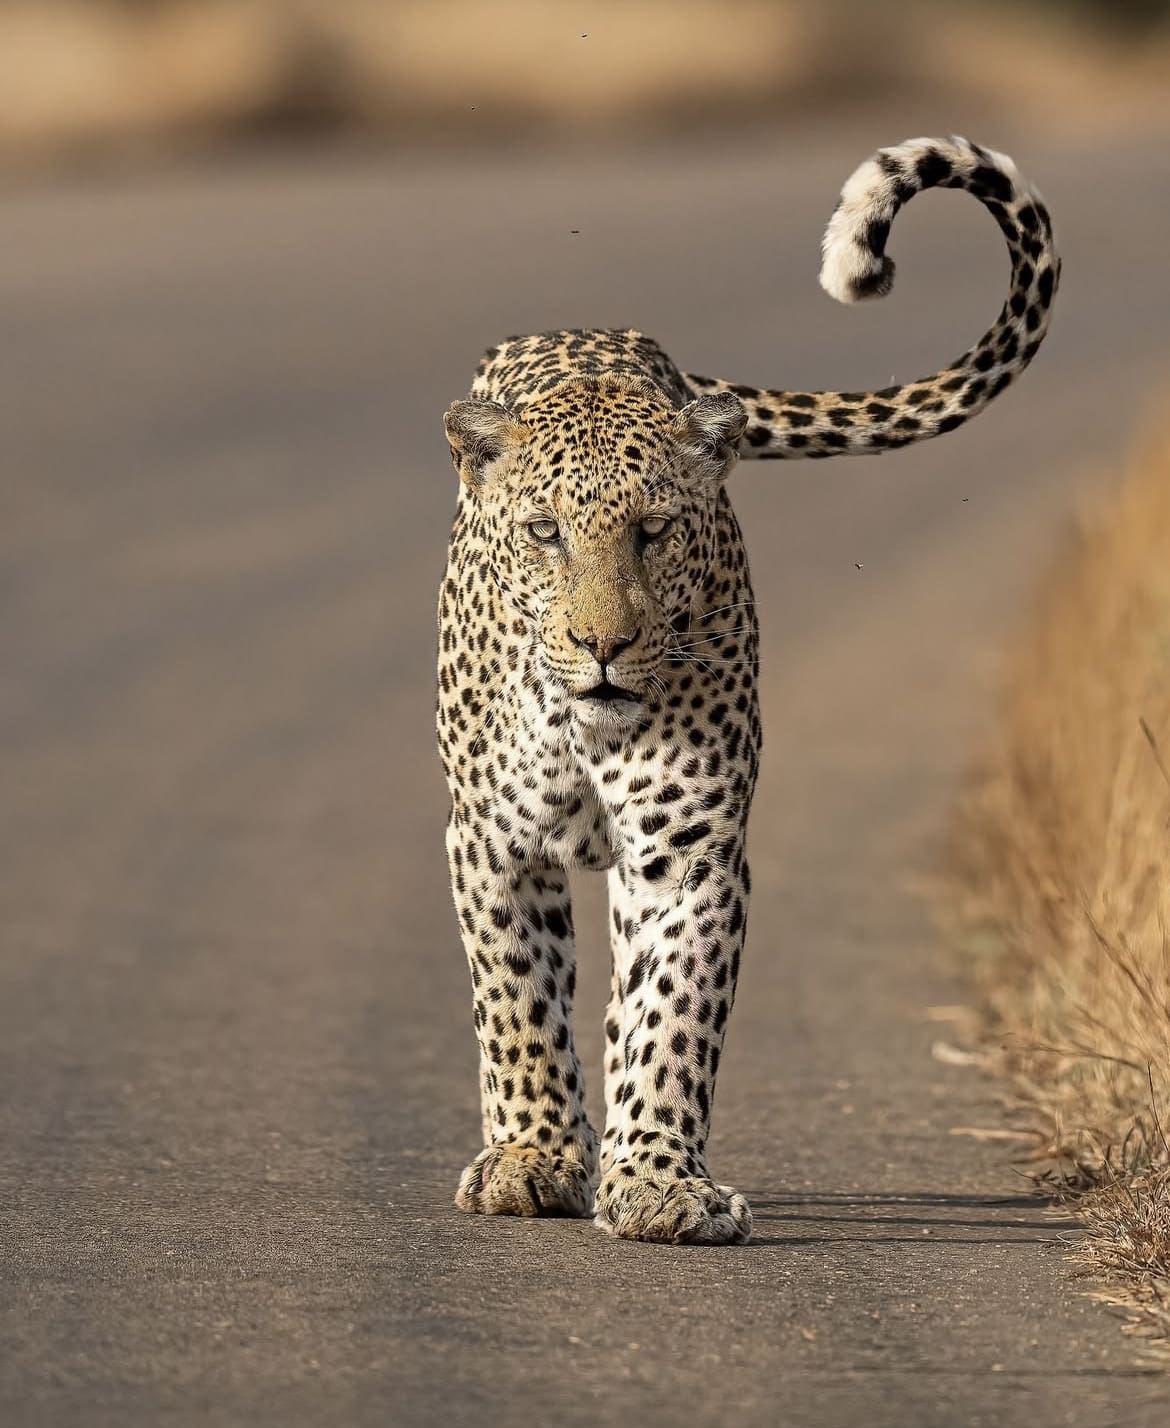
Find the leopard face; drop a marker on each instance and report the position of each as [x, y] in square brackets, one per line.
[597, 506]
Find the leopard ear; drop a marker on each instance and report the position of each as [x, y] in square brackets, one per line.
[481, 433]
[709, 429]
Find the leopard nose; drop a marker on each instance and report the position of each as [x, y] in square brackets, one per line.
[604, 648]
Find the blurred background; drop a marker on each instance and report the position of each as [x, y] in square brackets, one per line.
[251, 251]
[81, 78]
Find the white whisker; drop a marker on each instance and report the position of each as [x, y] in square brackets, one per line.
[715, 635]
[694, 659]
[736, 605]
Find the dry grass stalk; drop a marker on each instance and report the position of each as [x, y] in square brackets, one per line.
[1064, 884]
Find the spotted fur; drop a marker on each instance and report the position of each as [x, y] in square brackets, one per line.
[598, 705]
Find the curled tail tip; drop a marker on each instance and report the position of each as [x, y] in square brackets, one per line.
[850, 273]
[854, 264]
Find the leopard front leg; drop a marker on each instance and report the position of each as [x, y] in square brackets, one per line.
[540, 1153]
[683, 920]
[614, 1024]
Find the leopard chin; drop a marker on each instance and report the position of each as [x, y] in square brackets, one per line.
[615, 711]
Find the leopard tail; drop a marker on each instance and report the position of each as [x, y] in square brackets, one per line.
[787, 424]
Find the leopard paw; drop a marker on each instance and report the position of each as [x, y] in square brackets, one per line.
[521, 1180]
[694, 1211]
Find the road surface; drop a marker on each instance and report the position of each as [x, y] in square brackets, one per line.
[237, 1069]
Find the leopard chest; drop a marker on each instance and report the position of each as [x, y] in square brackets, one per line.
[529, 792]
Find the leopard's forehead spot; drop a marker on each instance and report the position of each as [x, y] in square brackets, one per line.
[601, 440]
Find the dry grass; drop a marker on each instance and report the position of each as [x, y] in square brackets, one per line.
[1065, 883]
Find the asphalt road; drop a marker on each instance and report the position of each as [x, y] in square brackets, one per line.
[237, 1070]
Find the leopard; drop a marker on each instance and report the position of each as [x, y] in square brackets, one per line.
[598, 709]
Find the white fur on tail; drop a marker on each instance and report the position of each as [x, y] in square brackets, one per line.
[854, 264]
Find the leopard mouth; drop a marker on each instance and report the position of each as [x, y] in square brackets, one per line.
[604, 692]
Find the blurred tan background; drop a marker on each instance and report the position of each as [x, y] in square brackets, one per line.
[79, 77]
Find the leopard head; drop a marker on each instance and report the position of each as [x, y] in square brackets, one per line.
[598, 502]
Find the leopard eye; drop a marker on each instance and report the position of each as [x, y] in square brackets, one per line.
[544, 530]
[654, 527]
